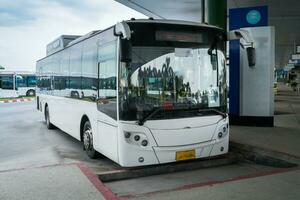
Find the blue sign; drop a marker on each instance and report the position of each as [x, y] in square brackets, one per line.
[253, 17]
[248, 17]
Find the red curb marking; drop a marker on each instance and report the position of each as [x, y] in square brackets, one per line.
[210, 183]
[105, 191]
[16, 100]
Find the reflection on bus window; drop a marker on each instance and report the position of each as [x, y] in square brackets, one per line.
[31, 81]
[21, 81]
[7, 82]
[107, 102]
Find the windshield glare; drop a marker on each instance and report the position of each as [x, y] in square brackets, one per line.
[172, 77]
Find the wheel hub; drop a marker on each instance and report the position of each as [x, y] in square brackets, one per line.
[87, 139]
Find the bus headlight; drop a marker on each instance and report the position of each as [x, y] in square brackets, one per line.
[136, 138]
[220, 134]
[127, 135]
[223, 130]
[144, 143]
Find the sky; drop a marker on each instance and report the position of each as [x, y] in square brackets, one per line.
[27, 26]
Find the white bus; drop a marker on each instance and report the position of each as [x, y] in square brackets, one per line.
[141, 92]
[16, 84]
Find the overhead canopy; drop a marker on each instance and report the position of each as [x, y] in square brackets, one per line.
[284, 15]
[189, 10]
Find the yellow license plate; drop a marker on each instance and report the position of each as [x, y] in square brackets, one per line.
[186, 155]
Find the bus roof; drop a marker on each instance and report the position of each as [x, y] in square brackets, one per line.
[78, 39]
[18, 72]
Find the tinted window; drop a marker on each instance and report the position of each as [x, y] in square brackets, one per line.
[31, 81]
[21, 81]
[7, 82]
[89, 69]
[56, 83]
[44, 83]
[75, 83]
[73, 72]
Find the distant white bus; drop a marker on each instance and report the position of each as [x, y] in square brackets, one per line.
[141, 92]
[16, 84]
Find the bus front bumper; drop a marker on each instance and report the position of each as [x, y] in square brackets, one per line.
[201, 150]
[158, 155]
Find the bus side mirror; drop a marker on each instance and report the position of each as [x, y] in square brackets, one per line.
[251, 56]
[125, 50]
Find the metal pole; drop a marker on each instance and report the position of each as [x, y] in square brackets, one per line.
[203, 12]
[217, 13]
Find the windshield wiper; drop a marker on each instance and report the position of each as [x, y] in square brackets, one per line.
[149, 115]
[156, 110]
[224, 115]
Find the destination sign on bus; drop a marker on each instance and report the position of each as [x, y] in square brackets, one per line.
[179, 36]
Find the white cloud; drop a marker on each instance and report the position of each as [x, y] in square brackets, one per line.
[23, 44]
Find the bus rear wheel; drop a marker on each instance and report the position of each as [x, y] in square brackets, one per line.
[88, 141]
[30, 93]
[47, 119]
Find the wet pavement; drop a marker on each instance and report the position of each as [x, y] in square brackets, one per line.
[26, 142]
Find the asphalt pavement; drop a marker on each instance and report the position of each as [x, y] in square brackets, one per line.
[26, 142]
[37, 163]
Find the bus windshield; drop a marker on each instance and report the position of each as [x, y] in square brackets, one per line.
[176, 74]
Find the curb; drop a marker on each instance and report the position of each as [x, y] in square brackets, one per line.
[264, 156]
[17, 100]
[138, 172]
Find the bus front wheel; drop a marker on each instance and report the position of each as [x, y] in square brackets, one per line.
[88, 141]
[47, 118]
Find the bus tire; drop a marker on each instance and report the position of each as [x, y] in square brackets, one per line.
[47, 119]
[87, 136]
[30, 93]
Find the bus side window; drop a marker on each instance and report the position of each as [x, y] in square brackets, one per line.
[31, 81]
[7, 82]
[107, 70]
[107, 80]
[107, 101]
[21, 81]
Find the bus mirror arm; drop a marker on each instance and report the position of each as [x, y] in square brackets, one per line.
[122, 29]
[240, 34]
[245, 41]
